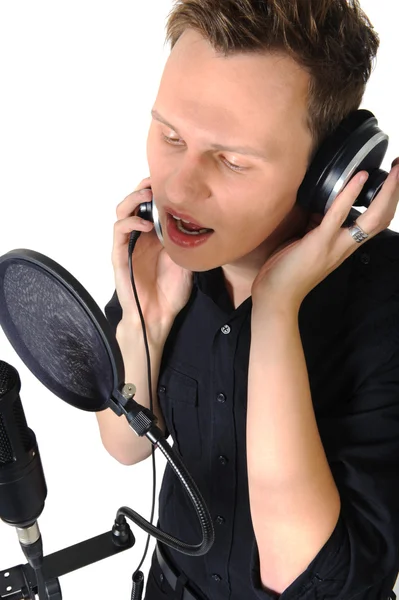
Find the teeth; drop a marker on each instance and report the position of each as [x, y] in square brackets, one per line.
[181, 228]
[177, 219]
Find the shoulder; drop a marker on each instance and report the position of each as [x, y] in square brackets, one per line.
[359, 299]
[374, 278]
[371, 313]
[383, 246]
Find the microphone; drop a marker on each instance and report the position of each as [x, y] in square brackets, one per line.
[23, 487]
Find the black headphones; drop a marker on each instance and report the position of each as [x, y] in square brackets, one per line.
[358, 144]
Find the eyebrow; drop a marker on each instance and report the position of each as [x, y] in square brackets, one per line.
[240, 149]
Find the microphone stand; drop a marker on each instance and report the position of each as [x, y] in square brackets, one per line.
[19, 582]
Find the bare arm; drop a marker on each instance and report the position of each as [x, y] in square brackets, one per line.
[118, 438]
[295, 504]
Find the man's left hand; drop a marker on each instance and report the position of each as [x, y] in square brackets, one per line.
[298, 265]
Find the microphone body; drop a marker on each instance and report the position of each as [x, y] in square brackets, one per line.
[23, 487]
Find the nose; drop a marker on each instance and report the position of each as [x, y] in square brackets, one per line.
[187, 182]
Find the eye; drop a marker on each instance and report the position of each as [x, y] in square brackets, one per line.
[173, 142]
[234, 167]
[169, 139]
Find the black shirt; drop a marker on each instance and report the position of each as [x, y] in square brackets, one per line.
[349, 326]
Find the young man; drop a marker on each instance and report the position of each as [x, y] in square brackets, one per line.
[274, 342]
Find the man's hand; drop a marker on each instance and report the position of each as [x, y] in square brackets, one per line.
[298, 265]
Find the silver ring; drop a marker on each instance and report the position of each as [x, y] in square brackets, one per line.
[357, 232]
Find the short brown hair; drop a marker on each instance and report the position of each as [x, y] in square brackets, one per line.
[332, 39]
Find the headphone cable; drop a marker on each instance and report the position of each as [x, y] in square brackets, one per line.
[137, 575]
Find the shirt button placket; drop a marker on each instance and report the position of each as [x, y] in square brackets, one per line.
[223, 440]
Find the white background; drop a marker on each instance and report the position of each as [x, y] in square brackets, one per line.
[78, 81]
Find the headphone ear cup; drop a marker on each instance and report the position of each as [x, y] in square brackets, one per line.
[358, 144]
[149, 212]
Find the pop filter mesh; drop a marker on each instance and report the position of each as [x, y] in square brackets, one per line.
[54, 336]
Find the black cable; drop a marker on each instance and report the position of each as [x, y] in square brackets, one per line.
[34, 555]
[41, 586]
[177, 466]
[134, 236]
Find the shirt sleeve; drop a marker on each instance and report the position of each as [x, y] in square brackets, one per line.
[311, 584]
[113, 311]
[361, 558]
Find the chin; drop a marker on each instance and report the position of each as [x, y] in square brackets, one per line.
[187, 260]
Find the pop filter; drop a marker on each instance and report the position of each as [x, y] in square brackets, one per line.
[59, 332]
[62, 336]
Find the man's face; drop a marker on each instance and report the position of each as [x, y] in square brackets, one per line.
[254, 100]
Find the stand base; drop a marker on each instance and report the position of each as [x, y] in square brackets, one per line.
[20, 582]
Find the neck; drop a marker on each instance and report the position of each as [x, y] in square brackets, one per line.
[240, 275]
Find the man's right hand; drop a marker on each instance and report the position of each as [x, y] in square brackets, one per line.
[163, 287]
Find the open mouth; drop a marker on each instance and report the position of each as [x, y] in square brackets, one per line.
[186, 235]
[189, 228]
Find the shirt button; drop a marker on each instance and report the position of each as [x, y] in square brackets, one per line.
[221, 398]
[162, 389]
[225, 329]
[219, 520]
[216, 577]
[365, 258]
[223, 460]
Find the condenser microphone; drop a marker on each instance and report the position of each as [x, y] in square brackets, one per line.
[23, 487]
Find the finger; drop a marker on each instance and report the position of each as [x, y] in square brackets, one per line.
[131, 202]
[395, 162]
[341, 206]
[376, 218]
[143, 184]
[381, 211]
[123, 229]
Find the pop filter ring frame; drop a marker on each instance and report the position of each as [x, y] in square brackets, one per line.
[87, 303]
